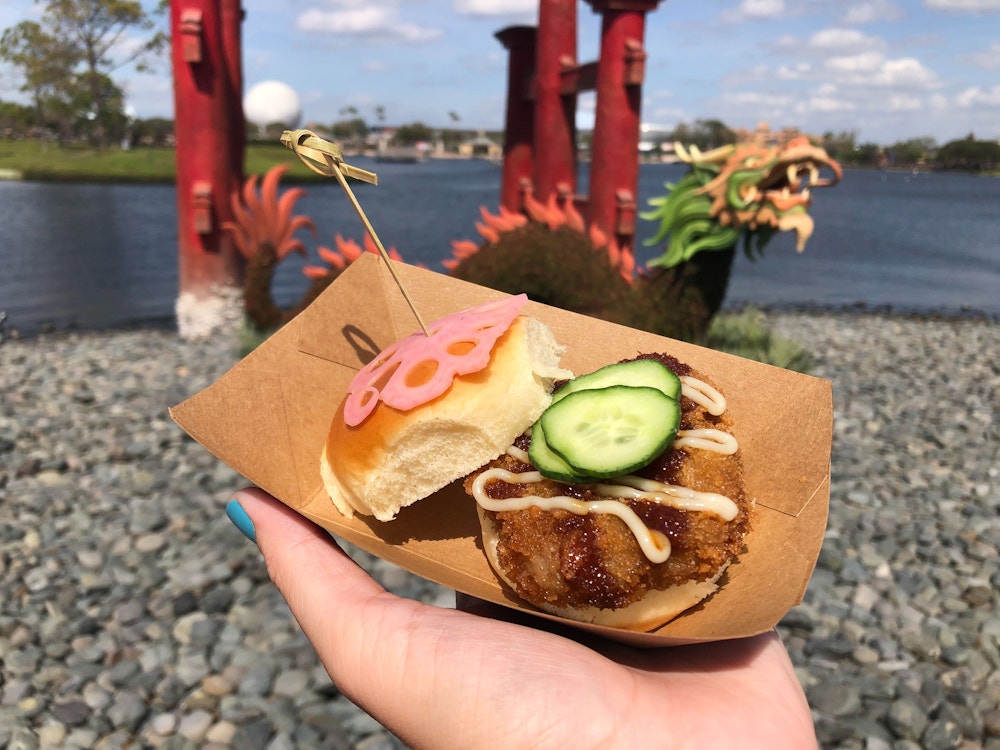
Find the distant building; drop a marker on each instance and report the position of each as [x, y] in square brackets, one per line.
[656, 144]
[378, 138]
[765, 137]
[481, 147]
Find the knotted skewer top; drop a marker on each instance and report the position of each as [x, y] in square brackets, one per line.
[327, 159]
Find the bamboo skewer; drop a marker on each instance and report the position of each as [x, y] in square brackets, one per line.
[327, 159]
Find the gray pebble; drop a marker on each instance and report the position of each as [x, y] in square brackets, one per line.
[71, 713]
[195, 725]
[942, 735]
[127, 711]
[130, 603]
[835, 698]
[22, 739]
[218, 600]
[257, 681]
[185, 603]
[120, 674]
[253, 735]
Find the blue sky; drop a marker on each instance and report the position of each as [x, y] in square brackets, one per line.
[888, 69]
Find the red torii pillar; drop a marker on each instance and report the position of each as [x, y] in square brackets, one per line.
[614, 166]
[210, 132]
[519, 131]
[546, 161]
[555, 109]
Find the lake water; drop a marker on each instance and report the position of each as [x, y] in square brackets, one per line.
[98, 256]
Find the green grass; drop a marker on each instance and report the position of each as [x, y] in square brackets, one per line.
[37, 160]
[746, 335]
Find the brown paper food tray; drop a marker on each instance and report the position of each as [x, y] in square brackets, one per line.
[268, 418]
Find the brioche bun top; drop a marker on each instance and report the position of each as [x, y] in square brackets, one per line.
[394, 458]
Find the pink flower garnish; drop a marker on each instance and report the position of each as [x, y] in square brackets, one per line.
[418, 369]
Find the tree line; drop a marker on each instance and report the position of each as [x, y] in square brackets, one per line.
[354, 132]
[968, 153]
[66, 61]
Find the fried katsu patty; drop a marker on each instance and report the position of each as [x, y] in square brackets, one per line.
[560, 559]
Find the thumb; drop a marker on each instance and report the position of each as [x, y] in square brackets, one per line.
[332, 597]
[368, 639]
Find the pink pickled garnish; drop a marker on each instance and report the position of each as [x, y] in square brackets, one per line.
[421, 367]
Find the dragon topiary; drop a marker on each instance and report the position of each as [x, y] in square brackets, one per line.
[741, 191]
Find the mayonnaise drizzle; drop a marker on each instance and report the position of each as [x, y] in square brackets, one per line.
[638, 488]
[716, 441]
[703, 394]
[655, 545]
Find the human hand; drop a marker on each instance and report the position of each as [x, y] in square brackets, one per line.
[457, 679]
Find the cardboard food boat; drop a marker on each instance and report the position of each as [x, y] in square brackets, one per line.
[268, 419]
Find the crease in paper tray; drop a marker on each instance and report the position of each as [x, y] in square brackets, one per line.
[269, 415]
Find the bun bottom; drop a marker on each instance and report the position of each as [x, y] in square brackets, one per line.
[650, 612]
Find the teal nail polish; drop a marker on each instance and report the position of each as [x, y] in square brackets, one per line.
[241, 520]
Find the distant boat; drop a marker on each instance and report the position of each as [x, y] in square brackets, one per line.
[401, 155]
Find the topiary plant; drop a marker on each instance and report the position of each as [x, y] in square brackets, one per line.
[264, 231]
[738, 192]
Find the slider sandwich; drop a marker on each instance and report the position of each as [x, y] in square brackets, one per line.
[614, 498]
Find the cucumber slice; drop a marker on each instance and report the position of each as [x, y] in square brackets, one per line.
[549, 463]
[610, 431]
[638, 372]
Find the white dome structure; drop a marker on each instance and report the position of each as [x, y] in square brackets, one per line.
[270, 102]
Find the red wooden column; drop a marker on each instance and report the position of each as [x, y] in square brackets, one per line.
[555, 112]
[519, 128]
[209, 129]
[232, 48]
[614, 168]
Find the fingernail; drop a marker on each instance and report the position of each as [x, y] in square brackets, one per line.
[241, 520]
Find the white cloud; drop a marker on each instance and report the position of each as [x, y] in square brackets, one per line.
[832, 41]
[762, 8]
[373, 22]
[496, 7]
[755, 10]
[865, 63]
[353, 21]
[759, 99]
[939, 103]
[903, 103]
[825, 105]
[795, 72]
[844, 41]
[869, 12]
[411, 32]
[977, 97]
[975, 6]
[873, 69]
[906, 71]
[988, 59]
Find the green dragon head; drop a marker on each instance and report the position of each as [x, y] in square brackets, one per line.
[740, 190]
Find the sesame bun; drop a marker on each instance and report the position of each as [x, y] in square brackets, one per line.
[394, 458]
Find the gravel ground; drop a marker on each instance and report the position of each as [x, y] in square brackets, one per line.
[133, 614]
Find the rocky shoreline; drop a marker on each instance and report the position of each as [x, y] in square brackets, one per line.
[134, 615]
